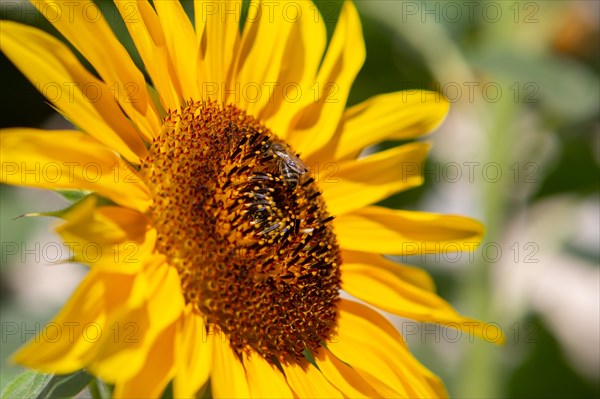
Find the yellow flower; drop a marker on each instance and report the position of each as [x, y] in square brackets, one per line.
[215, 259]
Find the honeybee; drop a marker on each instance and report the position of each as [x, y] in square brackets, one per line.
[290, 166]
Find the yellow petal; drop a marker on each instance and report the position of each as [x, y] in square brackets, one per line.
[193, 355]
[260, 57]
[296, 85]
[228, 378]
[202, 9]
[91, 35]
[182, 45]
[128, 339]
[394, 116]
[217, 25]
[111, 238]
[371, 345]
[317, 122]
[159, 368]
[362, 182]
[140, 323]
[308, 382]
[381, 230]
[147, 34]
[63, 159]
[68, 343]
[384, 290]
[83, 99]
[412, 275]
[106, 223]
[165, 299]
[265, 380]
[89, 323]
[345, 378]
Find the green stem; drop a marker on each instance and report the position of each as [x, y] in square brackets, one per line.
[479, 376]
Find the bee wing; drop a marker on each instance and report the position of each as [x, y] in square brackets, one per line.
[292, 161]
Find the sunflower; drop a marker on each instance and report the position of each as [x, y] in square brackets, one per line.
[211, 179]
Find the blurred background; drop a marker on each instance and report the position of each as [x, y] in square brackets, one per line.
[520, 151]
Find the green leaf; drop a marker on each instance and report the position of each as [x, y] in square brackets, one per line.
[32, 384]
[73, 195]
[99, 389]
[99, 201]
[168, 392]
[308, 356]
[26, 385]
[205, 392]
[66, 386]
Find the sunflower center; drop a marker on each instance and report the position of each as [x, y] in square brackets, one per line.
[242, 220]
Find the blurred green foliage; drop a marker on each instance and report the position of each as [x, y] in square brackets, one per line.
[545, 374]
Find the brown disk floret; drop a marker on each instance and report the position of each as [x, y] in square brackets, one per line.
[247, 231]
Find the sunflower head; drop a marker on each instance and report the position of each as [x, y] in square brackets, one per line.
[246, 230]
